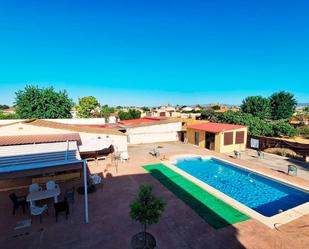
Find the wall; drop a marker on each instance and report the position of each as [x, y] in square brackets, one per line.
[27, 129]
[84, 121]
[232, 147]
[154, 133]
[219, 140]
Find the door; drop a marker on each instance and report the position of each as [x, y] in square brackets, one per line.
[196, 138]
[210, 141]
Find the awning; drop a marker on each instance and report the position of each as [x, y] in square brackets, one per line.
[95, 144]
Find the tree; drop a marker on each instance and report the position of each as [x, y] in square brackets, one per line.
[306, 109]
[258, 106]
[282, 105]
[3, 107]
[146, 208]
[145, 109]
[131, 114]
[283, 128]
[8, 115]
[106, 112]
[35, 102]
[304, 131]
[87, 107]
[216, 107]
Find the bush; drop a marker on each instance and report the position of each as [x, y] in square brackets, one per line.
[281, 152]
[304, 131]
[283, 128]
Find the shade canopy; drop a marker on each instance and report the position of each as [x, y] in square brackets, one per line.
[95, 144]
[37, 156]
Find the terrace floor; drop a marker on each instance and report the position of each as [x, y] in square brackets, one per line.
[110, 226]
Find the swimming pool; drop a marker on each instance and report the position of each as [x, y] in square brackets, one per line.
[266, 196]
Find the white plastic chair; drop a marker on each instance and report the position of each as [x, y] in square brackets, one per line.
[124, 156]
[35, 211]
[34, 187]
[51, 185]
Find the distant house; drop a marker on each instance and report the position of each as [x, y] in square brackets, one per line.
[150, 130]
[187, 109]
[218, 137]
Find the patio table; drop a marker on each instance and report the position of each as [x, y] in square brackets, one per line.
[43, 194]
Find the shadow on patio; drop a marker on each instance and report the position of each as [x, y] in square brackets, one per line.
[110, 226]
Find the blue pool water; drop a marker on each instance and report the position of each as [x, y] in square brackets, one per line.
[266, 196]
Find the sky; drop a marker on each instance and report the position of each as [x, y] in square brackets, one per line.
[156, 52]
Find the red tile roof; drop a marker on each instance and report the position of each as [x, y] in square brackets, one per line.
[46, 138]
[215, 127]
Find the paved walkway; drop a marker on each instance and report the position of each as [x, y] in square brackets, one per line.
[275, 162]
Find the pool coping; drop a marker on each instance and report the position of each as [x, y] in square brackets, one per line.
[273, 221]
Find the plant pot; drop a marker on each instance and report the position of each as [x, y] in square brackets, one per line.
[138, 241]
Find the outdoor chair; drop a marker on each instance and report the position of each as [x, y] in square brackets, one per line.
[292, 170]
[69, 194]
[34, 187]
[62, 206]
[95, 179]
[237, 154]
[154, 152]
[18, 201]
[51, 185]
[260, 154]
[38, 211]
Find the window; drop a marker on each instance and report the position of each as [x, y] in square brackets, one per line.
[228, 138]
[240, 137]
[196, 138]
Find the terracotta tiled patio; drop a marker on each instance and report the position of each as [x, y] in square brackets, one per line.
[110, 226]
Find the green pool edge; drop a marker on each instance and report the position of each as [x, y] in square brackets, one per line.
[213, 210]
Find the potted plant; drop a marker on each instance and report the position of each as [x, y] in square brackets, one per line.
[146, 209]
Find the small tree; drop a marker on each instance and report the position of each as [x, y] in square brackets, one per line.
[87, 107]
[146, 208]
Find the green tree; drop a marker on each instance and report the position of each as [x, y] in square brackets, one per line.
[283, 128]
[106, 112]
[35, 102]
[258, 106]
[88, 107]
[8, 115]
[145, 109]
[282, 105]
[306, 109]
[131, 114]
[304, 131]
[146, 208]
[3, 107]
[216, 107]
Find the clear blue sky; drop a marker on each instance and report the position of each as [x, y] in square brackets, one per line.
[156, 52]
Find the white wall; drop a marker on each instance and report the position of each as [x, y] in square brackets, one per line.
[154, 133]
[84, 121]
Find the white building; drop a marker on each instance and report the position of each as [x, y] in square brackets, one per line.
[147, 130]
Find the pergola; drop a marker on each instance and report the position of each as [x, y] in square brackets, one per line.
[36, 159]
